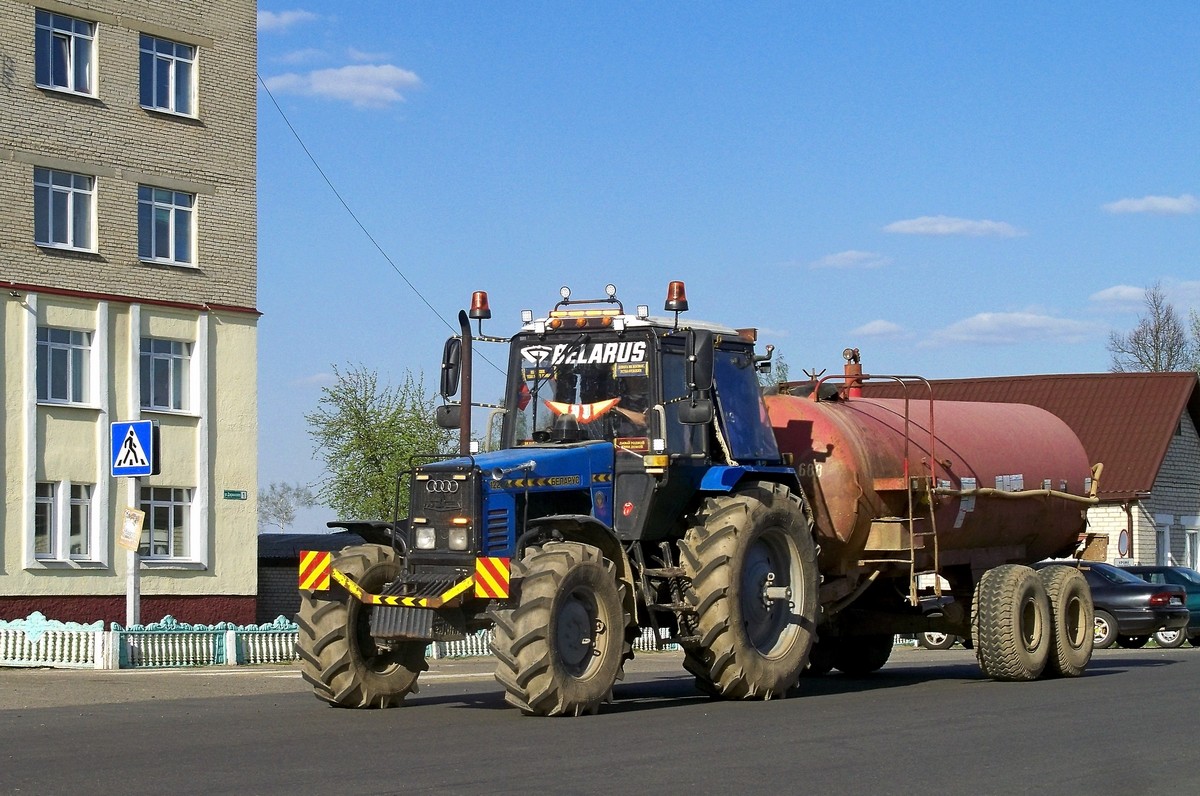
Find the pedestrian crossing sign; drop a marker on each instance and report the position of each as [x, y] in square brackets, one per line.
[134, 449]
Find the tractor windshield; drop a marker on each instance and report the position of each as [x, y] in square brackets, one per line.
[591, 386]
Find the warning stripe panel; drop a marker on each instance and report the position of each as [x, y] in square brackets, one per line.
[492, 577]
[315, 569]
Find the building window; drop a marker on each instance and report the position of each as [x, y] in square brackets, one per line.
[63, 357]
[165, 374]
[66, 53]
[166, 531]
[63, 209]
[1191, 553]
[62, 535]
[1163, 554]
[168, 75]
[165, 223]
[43, 520]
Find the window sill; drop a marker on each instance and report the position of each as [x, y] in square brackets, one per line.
[69, 92]
[70, 405]
[52, 564]
[170, 264]
[151, 410]
[183, 117]
[58, 247]
[168, 564]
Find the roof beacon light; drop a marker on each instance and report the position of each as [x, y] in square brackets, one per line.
[676, 297]
[479, 306]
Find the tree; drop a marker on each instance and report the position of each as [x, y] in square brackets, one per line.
[277, 504]
[1159, 343]
[366, 433]
[776, 374]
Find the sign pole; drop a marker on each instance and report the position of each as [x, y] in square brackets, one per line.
[133, 449]
[133, 571]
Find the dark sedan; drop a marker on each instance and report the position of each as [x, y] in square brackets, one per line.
[1128, 609]
[1189, 579]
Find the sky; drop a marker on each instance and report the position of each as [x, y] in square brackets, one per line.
[956, 189]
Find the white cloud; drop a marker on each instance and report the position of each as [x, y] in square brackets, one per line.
[947, 225]
[282, 20]
[1182, 205]
[851, 259]
[878, 328]
[364, 86]
[362, 57]
[1120, 296]
[1004, 328]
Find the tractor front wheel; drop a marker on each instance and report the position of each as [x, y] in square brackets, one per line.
[338, 656]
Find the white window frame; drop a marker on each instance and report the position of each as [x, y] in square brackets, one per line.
[78, 37]
[65, 503]
[177, 359]
[163, 61]
[177, 503]
[79, 381]
[66, 189]
[177, 209]
[1162, 538]
[1191, 542]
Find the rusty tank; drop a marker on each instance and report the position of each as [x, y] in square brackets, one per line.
[936, 483]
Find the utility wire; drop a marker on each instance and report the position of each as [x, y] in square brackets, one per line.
[361, 226]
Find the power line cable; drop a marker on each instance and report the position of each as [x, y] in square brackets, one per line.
[361, 226]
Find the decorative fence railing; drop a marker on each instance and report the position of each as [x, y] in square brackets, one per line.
[37, 641]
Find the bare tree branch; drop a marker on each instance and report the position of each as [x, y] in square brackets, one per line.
[1157, 344]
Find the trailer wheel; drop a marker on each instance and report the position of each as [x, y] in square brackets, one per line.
[1011, 623]
[752, 567]
[860, 655]
[1071, 619]
[1170, 639]
[1132, 642]
[821, 657]
[559, 651]
[338, 655]
[1104, 630]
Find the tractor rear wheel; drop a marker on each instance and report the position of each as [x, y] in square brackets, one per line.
[753, 576]
[1011, 623]
[559, 651]
[338, 655]
[1071, 620]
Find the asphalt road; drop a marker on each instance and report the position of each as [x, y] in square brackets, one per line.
[927, 724]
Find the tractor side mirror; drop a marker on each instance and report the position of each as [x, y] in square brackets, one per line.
[696, 413]
[451, 369]
[448, 416]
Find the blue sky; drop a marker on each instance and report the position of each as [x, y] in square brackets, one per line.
[955, 189]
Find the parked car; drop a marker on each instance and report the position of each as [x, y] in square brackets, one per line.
[934, 640]
[1128, 609]
[1189, 579]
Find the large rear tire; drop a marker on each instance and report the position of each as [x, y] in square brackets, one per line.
[1071, 619]
[753, 576]
[338, 656]
[1011, 623]
[559, 651]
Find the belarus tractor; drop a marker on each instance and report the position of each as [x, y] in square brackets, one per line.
[643, 480]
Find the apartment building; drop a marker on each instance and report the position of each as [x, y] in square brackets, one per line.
[128, 282]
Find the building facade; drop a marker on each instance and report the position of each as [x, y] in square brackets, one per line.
[129, 278]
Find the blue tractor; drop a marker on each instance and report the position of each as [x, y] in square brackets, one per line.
[636, 485]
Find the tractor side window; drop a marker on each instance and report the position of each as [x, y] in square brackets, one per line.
[743, 413]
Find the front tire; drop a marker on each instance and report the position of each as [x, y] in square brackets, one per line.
[559, 651]
[752, 567]
[1071, 619]
[1011, 623]
[338, 655]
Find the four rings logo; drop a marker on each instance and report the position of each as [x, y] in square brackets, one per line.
[442, 487]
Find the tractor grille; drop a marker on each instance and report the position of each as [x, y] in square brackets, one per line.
[496, 541]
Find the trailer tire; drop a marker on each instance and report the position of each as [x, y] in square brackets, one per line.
[821, 657]
[561, 648]
[1104, 630]
[858, 656]
[750, 646]
[338, 656]
[1071, 620]
[1132, 642]
[1011, 623]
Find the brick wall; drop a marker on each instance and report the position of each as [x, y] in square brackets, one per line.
[278, 594]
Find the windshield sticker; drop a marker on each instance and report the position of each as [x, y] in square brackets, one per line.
[594, 354]
[623, 369]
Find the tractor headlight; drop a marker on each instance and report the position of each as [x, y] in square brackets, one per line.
[458, 538]
[426, 538]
